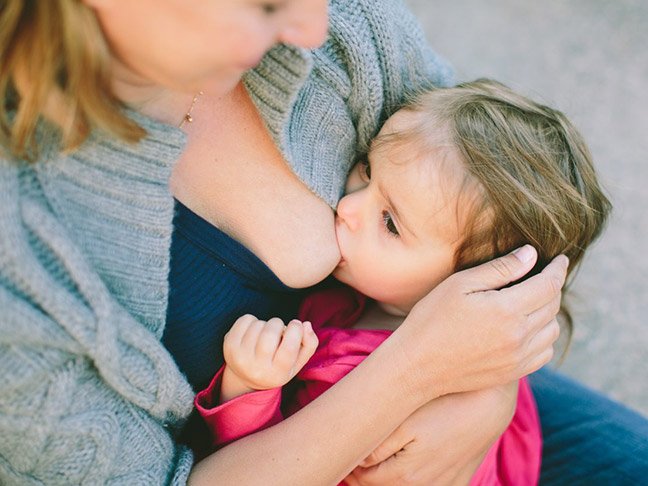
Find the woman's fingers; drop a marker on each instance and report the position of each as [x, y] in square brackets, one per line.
[539, 318]
[540, 348]
[390, 446]
[499, 272]
[386, 472]
[489, 336]
[537, 291]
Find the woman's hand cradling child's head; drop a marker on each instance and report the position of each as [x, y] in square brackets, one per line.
[489, 336]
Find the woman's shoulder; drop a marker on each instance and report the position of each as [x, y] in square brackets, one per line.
[80, 240]
[106, 206]
[384, 37]
[323, 107]
[376, 53]
[71, 351]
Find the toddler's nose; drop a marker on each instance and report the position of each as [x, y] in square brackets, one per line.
[347, 210]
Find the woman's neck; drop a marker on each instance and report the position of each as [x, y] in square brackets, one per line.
[150, 99]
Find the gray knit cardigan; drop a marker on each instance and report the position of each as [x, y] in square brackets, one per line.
[88, 395]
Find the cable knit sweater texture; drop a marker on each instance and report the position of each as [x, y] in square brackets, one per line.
[88, 395]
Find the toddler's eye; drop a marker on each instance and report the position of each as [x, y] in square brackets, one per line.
[366, 168]
[269, 8]
[389, 224]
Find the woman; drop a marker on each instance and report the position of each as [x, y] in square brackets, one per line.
[90, 393]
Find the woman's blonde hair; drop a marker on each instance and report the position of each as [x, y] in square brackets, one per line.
[55, 67]
[531, 169]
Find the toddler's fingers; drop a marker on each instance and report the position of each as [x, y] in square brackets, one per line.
[288, 350]
[251, 336]
[538, 290]
[235, 335]
[308, 346]
[310, 338]
[269, 338]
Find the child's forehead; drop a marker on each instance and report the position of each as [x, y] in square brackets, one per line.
[404, 120]
[414, 128]
[415, 138]
[429, 181]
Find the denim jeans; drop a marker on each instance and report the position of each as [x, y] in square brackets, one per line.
[588, 439]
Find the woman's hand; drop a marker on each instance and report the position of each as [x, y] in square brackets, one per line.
[443, 442]
[467, 335]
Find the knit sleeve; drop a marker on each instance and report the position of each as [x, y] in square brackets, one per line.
[375, 54]
[381, 47]
[87, 393]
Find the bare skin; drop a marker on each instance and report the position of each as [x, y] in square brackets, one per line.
[324, 441]
[212, 188]
[248, 190]
[226, 182]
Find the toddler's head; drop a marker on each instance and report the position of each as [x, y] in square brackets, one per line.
[457, 177]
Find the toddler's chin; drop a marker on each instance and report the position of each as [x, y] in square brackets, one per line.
[340, 275]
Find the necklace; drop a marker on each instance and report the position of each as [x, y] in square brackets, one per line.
[188, 118]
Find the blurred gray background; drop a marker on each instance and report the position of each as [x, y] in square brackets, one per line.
[588, 58]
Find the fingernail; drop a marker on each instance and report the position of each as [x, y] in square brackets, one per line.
[524, 254]
[564, 261]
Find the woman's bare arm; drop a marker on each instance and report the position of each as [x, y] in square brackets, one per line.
[480, 338]
[321, 443]
[443, 442]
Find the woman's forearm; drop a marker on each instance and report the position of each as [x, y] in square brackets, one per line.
[324, 441]
[461, 337]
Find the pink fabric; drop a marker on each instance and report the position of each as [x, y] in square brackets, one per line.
[513, 460]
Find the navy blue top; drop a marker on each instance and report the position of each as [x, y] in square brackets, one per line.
[213, 281]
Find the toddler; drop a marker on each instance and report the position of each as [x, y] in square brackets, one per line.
[456, 177]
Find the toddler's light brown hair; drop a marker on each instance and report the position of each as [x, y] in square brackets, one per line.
[529, 166]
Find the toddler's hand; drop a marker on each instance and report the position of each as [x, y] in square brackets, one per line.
[260, 355]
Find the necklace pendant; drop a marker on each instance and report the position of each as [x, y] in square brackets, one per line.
[188, 118]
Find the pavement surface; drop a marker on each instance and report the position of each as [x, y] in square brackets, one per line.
[588, 58]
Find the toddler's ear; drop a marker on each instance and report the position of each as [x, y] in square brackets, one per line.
[357, 178]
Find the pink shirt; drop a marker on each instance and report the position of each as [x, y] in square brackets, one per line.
[514, 459]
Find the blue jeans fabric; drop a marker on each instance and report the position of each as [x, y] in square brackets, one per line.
[588, 439]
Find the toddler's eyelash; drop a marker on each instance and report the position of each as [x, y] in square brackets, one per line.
[269, 8]
[366, 168]
[388, 223]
